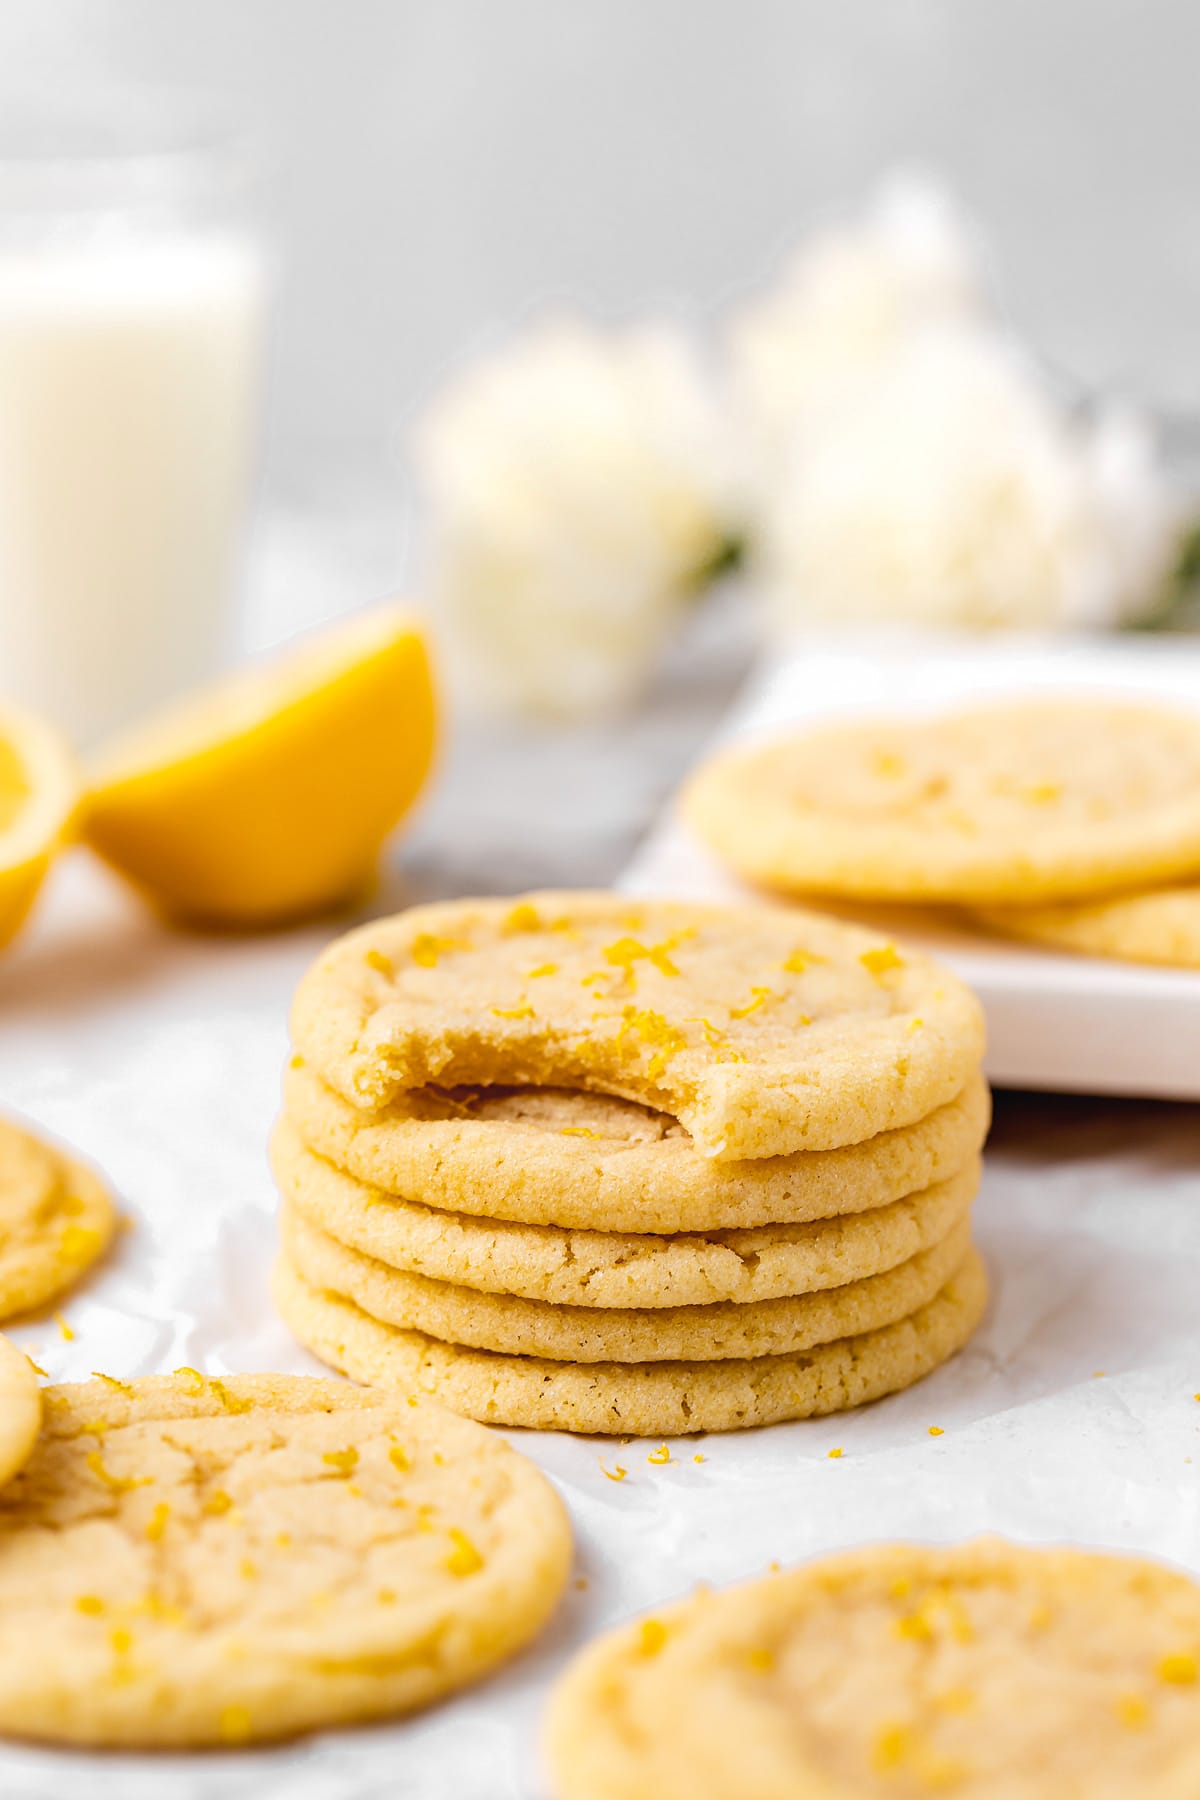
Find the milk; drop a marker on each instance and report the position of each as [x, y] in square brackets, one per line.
[128, 386]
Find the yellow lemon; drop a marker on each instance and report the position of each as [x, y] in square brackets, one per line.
[269, 797]
[39, 794]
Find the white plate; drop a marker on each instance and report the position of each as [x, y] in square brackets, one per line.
[1067, 1023]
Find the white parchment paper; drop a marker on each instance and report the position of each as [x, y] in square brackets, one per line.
[159, 1056]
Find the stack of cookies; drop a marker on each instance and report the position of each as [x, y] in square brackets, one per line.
[581, 1163]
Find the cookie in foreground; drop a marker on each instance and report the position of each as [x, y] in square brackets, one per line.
[763, 1031]
[892, 1672]
[659, 1399]
[1018, 801]
[205, 1562]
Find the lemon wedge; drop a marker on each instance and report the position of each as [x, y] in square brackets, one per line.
[39, 795]
[269, 797]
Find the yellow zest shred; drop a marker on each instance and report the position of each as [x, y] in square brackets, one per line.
[426, 949]
[375, 959]
[578, 1131]
[800, 960]
[344, 1461]
[513, 1012]
[616, 1473]
[79, 1241]
[399, 1458]
[759, 997]
[234, 1724]
[699, 1458]
[121, 1640]
[230, 1402]
[523, 917]
[652, 1029]
[879, 961]
[543, 969]
[156, 1525]
[893, 1745]
[1180, 1668]
[661, 1455]
[122, 1387]
[120, 1484]
[218, 1502]
[464, 1559]
[652, 1635]
[91, 1605]
[37, 1368]
[1131, 1711]
[629, 950]
[915, 1024]
[835, 1453]
[937, 1431]
[192, 1379]
[68, 1331]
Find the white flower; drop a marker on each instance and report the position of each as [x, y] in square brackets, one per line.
[957, 493]
[577, 489]
[847, 302]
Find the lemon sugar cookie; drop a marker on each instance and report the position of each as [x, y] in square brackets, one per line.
[1017, 801]
[205, 1562]
[20, 1409]
[593, 1334]
[1161, 925]
[56, 1218]
[988, 1670]
[551, 1156]
[764, 1032]
[610, 1268]
[660, 1399]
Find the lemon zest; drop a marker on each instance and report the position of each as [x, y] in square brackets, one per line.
[880, 960]
[122, 1387]
[543, 969]
[156, 1525]
[514, 1012]
[399, 1458]
[91, 1605]
[464, 1559]
[760, 996]
[1179, 1667]
[523, 917]
[344, 1461]
[652, 1635]
[120, 1484]
[660, 1456]
[426, 948]
[835, 1453]
[374, 959]
[616, 1473]
[67, 1331]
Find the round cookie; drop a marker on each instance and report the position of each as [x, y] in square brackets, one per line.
[593, 1334]
[1016, 801]
[1159, 926]
[20, 1409]
[553, 1156]
[56, 1219]
[985, 1669]
[608, 1268]
[763, 1031]
[636, 1399]
[221, 1561]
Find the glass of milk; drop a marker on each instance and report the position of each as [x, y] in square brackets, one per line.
[132, 285]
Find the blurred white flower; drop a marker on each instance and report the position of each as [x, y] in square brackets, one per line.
[578, 488]
[846, 303]
[957, 493]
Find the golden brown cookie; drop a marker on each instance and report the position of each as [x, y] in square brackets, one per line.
[987, 1670]
[187, 1561]
[763, 1031]
[1017, 801]
[56, 1218]
[20, 1409]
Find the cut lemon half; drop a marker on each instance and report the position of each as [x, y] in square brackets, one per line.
[269, 797]
[39, 796]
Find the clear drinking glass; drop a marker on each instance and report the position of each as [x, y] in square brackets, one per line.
[133, 278]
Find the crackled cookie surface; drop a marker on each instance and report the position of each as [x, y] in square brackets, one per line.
[556, 1156]
[1161, 925]
[594, 1334]
[218, 1561]
[20, 1409]
[1016, 801]
[659, 1399]
[56, 1218]
[986, 1670]
[764, 1032]
[610, 1268]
